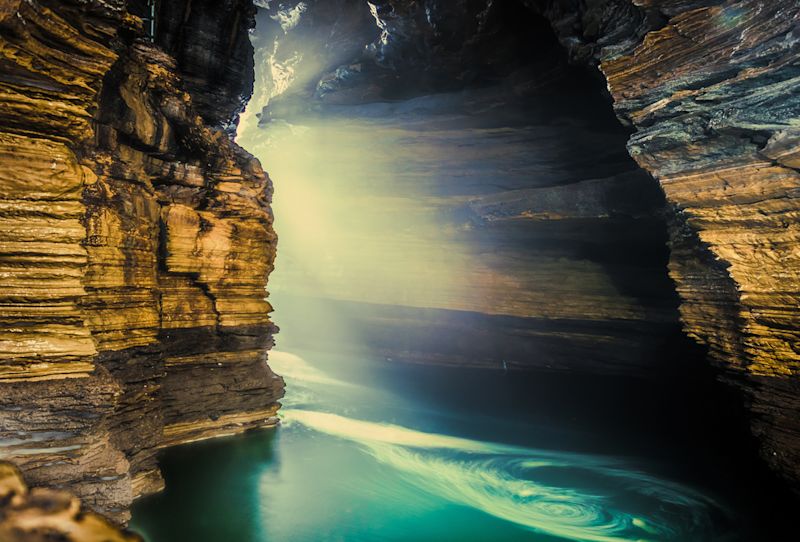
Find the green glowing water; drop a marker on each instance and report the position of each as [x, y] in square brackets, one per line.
[366, 453]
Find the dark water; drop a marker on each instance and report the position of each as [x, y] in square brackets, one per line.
[375, 451]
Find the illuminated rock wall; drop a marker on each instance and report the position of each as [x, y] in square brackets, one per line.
[713, 97]
[710, 87]
[136, 243]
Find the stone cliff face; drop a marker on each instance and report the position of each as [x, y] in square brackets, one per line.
[709, 87]
[136, 242]
[713, 97]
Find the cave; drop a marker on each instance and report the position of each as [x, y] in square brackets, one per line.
[531, 270]
[502, 182]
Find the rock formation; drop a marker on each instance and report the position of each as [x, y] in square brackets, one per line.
[34, 515]
[136, 241]
[713, 97]
[709, 87]
[137, 237]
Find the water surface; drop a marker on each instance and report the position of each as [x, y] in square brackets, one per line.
[370, 450]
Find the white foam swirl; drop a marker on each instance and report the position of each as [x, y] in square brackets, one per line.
[502, 481]
[574, 496]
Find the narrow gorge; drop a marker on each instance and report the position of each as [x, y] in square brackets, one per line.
[537, 276]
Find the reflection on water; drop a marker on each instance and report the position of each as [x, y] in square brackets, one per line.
[359, 457]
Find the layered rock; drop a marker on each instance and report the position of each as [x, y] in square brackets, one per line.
[710, 90]
[210, 41]
[137, 240]
[713, 97]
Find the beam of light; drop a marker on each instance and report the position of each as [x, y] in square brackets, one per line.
[377, 204]
[353, 219]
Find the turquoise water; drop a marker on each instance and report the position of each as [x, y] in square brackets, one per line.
[374, 451]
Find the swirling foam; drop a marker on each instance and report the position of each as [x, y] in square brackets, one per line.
[295, 369]
[502, 481]
[574, 496]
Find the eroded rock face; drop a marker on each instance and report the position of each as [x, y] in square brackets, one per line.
[137, 240]
[210, 43]
[710, 88]
[713, 95]
[711, 91]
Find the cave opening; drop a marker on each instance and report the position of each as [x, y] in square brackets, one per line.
[456, 174]
[466, 249]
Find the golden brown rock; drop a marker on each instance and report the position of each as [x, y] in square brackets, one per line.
[33, 515]
[132, 233]
[712, 96]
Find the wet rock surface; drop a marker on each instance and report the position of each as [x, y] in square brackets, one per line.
[137, 239]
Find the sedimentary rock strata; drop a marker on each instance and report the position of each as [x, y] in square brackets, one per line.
[713, 95]
[711, 88]
[137, 239]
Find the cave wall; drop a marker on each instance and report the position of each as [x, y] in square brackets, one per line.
[492, 216]
[713, 97]
[136, 243]
[709, 86]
